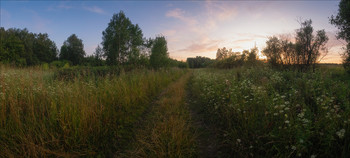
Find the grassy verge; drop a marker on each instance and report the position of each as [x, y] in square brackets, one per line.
[41, 116]
[167, 131]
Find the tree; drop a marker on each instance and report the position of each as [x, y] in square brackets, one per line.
[342, 21]
[11, 48]
[273, 51]
[199, 62]
[222, 54]
[97, 56]
[45, 50]
[308, 46]
[73, 50]
[22, 48]
[252, 56]
[121, 40]
[159, 53]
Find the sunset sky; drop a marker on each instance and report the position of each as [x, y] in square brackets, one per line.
[192, 28]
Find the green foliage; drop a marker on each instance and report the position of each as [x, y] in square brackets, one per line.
[176, 63]
[341, 20]
[22, 48]
[73, 50]
[59, 63]
[159, 56]
[199, 62]
[261, 112]
[122, 40]
[236, 59]
[45, 50]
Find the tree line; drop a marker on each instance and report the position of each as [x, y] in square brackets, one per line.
[122, 44]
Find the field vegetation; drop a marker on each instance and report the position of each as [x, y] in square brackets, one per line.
[261, 112]
[43, 116]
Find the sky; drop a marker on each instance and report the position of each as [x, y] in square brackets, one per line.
[192, 28]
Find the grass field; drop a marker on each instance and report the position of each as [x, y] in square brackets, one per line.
[248, 112]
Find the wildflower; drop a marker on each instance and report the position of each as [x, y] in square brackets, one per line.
[301, 140]
[301, 115]
[341, 133]
[275, 114]
[294, 147]
[286, 122]
[287, 108]
[239, 140]
[281, 111]
[313, 156]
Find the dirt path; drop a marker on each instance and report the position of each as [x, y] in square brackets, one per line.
[166, 131]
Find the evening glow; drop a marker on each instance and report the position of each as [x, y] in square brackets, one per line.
[196, 28]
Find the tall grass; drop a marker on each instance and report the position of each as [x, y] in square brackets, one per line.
[41, 116]
[266, 113]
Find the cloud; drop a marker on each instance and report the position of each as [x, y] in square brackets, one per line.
[180, 14]
[95, 9]
[218, 11]
[199, 26]
[64, 6]
[60, 6]
[169, 32]
[200, 47]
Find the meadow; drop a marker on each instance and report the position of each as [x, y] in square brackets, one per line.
[251, 111]
[260, 112]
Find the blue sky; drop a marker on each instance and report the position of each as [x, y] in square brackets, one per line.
[192, 28]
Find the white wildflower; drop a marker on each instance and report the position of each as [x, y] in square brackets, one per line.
[341, 133]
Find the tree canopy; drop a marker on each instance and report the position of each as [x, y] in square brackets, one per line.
[159, 53]
[73, 50]
[121, 40]
[23, 48]
[199, 62]
[342, 21]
